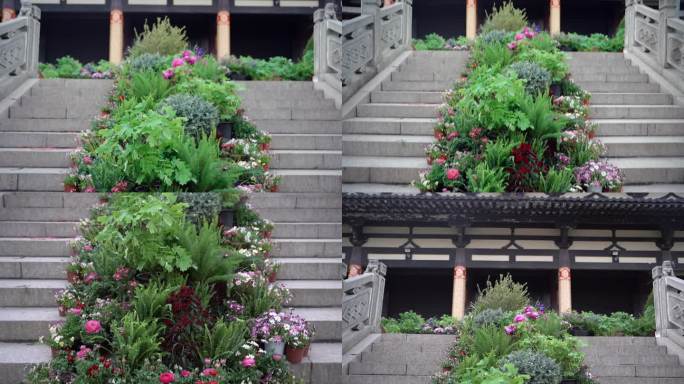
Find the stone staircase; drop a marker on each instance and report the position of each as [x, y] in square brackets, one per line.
[631, 360]
[384, 140]
[36, 134]
[399, 359]
[306, 154]
[642, 129]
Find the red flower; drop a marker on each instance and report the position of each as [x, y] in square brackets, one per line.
[185, 373]
[167, 377]
[453, 174]
[210, 372]
[93, 370]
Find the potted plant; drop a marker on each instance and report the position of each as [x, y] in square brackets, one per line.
[275, 345]
[599, 176]
[73, 272]
[298, 339]
[271, 329]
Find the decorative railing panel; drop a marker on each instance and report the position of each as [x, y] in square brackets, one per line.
[668, 297]
[656, 38]
[349, 53]
[19, 46]
[362, 304]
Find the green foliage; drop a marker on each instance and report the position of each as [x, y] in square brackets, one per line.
[149, 301]
[221, 94]
[504, 293]
[497, 154]
[209, 262]
[544, 122]
[537, 79]
[481, 372]
[223, 340]
[65, 67]
[553, 61]
[495, 56]
[596, 42]
[565, 351]
[540, 368]
[147, 84]
[491, 340]
[274, 68]
[153, 62]
[495, 37]
[201, 117]
[202, 206]
[556, 181]
[161, 38]
[135, 341]
[505, 18]
[487, 179]
[430, 42]
[105, 176]
[208, 171]
[408, 322]
[551, 325]
[490, 317]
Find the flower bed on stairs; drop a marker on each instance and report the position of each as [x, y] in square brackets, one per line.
[516, 122]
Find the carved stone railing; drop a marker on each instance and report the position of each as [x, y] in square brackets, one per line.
[351, 52]
[19, 48]
[362, 304]
[656, 38]
[668, 297]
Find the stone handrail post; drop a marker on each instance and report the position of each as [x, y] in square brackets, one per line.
[656, 38]
[19, 39]
[349, 53]
[362, 298]
[668, 298]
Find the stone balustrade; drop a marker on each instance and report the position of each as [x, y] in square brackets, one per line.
[350, 53]
[656, 38]
[362, 304]
[668, 296]
[19, 48]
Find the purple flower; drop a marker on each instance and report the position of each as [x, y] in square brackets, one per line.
[512, 45]
[168, 74]
[510, 329]
[534, 315]
[177, 62]
[519, 318]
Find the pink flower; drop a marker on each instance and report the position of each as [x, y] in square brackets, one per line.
[529, 33]
[168, 74]
[534, 315]
[177, 62]
[453, 174]
[90, 277]
[210, 372]
[92, 326]
[441, 160]
[87, 160]
[83, 352]
[90, 189]
[187, 53]
[191, 59]
[277, 357]
[248, 362]
[88, 248]
[185, 373]
[75, 311]
[167, 377]
[519, 318]
[519, 36]
[510, 329]
[512, 45]
[452, 135]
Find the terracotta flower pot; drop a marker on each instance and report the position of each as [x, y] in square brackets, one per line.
[272, 277]
[70, 188]
[62, 310]
[306, 350]
[72, 277]
[295, 355]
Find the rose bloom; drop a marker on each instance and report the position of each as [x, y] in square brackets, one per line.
[185, 373]
[248, 362]
[453, 174]
[519, 318]
[92, 326]
[167, 377]
[177, 62]
[210, 372]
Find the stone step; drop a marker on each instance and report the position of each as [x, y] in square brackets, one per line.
[48, 200]
[314, 293]
[34, 157]
[611, 77]
[74, 86]
[306, 141]
[392, 368]
[32, 179]
[276, 86]
[295, 200]
[376, 188]
[265, 113]
[596, 56]
[437, 86]
[627, 146]
[323, 365]
[639, 380]
[608, 349]
[384, 170]
[332, 215]
[605, 68]
[450, 73]
[612, 341]
[626, 358]
[306, 180]
[407, 97]
[10, 139]
[326, 321]
[312, 248]
[310, 230]
[389, 126]
[26, 324]
[301, 268]
[44, 125]
[655, 188]
[385, 145]
[618, 87]
[39, 228]
[298, 101]
[43, 214]
[29, 292]
[639, 127]
[631, 98]
[388, 379]
[396, 110]
[34, 246]
[56, 110]
[636, 112]
[328, 127]
[645, 170]
[17, 358]
[637, 371]
[406, 356]
[305, 159]
[21, 267]
[418, 342]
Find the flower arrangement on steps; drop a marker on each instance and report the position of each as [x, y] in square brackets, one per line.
[516, 122]
[160, 292]
[173, 123]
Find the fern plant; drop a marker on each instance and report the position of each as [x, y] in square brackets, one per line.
[486, 179]
[135, 341]
[149, 300]
[223, 340]
[491, 339]
[544, 122]
[203, 245]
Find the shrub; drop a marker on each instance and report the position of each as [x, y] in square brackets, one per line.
[147, 84]
[485, 179]
[504, 294]
[489, 317]
[493, 341]
[540, 368]
[161, 38]
[505, 18]
[410, 322]
[430, 42]
[537, 79]
[553, 62]
[496, 37]
[201, 117]
[563, 350]
[65, 67]
[146, 62]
